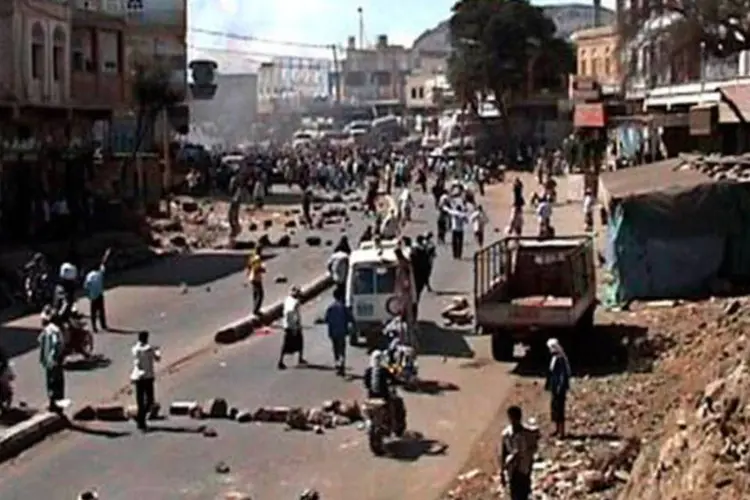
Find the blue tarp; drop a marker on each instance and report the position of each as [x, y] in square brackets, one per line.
[648, 263]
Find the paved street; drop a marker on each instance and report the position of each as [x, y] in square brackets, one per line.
[266, 461]
[154, 298]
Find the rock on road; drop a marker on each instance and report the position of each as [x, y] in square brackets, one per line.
[265, 461]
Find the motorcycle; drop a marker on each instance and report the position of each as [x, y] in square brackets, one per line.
[384, 419]
[401, 361]
[78, 338]
[6, 388]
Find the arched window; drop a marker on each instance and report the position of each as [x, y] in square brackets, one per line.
[37, 51]
[58, 53]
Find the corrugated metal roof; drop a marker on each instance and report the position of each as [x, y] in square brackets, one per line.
[663, 176]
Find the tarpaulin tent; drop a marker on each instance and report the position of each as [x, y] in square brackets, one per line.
[673, 231]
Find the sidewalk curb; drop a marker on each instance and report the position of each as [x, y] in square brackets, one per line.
[20, 437]
[240, 330]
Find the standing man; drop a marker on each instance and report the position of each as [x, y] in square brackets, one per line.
[338, 318]
[144, 357]
[255, 272]
[291, 320]
[519, 444]
[51, 344]
[459, 218]
[93, 285]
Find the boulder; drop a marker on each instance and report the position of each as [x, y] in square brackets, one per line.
[290, 224]
[329, 243]
[252, 226]
[182, 408]
[281, 279]
[332, 406]
[264, 241]
[217, 408]
[275, 414]
[189, 206]
[284, 241]
[222, 468]
[85, 414]
[197, 413]
[244, 416]
[243, 245]
[233, 412]
[210, 432]
[297, 419]
[179, 240]
[351, 410]
[111, 413]
[267, 223]
[313, 241]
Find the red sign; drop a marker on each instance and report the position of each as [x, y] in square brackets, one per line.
[589, 116]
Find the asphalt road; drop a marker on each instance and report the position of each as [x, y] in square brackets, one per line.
[181, 300]
[174, 462]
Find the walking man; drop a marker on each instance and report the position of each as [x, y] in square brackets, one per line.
[338, 318]
[51, 344]
[291, 320]
[93, 286]
[518, 447]
[459, 218]
[144, 357]
[255, 272]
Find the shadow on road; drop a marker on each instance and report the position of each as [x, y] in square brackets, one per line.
[414, 446]
[16, 341]
[186, 269]
[97, 432]
[431, 387]
[95, 362]
[13, 416]
[609, 349]
[436, 340]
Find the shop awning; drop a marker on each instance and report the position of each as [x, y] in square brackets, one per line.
[735, 105]
[589, 115]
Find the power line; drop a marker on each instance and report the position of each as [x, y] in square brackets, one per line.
[249, 38]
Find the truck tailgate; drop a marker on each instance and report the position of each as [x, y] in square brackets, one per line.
[509, 315]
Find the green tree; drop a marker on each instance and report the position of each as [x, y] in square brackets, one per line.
[497, 43]
[722, 27]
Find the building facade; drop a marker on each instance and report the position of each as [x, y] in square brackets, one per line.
[375, 76]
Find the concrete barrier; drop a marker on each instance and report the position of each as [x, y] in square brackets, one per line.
[240, 330]
[20, 437]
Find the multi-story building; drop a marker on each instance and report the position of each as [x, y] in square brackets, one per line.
[375, 76]
[690, 96]
[291, 83]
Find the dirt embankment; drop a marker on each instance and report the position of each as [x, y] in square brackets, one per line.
[659, 410]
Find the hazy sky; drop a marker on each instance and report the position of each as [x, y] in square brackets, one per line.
[309, 21]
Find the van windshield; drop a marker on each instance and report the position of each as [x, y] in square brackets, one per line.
[374, 280]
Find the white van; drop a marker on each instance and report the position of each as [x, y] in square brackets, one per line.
[371, 287]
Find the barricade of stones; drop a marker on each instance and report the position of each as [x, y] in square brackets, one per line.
[329, 415]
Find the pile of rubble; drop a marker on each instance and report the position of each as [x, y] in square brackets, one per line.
[719, 167]
[329, 415]
[674, 422]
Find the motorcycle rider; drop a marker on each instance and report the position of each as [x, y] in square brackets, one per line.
[377, 379]
[64, 298]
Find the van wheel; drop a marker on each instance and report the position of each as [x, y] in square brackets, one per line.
[354, 339]
[502, 347]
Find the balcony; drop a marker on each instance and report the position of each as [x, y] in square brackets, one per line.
[97, 90]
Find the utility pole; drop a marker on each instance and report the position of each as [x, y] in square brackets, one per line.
[361, 28]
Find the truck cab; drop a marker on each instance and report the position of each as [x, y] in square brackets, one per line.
[527, 290]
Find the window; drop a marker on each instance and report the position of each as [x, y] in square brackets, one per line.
[370, 280]
[608, 66]
[583, 70]
[58, 54]
[109, 52]
[81, 51]
[37, 52]
[421, 92]
[413, 92]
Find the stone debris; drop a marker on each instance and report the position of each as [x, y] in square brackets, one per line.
[222, 468]
[313, 241]
[183, 408]
[209, 432]
[666, 416]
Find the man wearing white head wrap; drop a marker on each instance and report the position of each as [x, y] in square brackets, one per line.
[378, 380]
[558, 384]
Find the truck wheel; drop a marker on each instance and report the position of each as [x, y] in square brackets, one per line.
[502, 347]
[586, 321]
